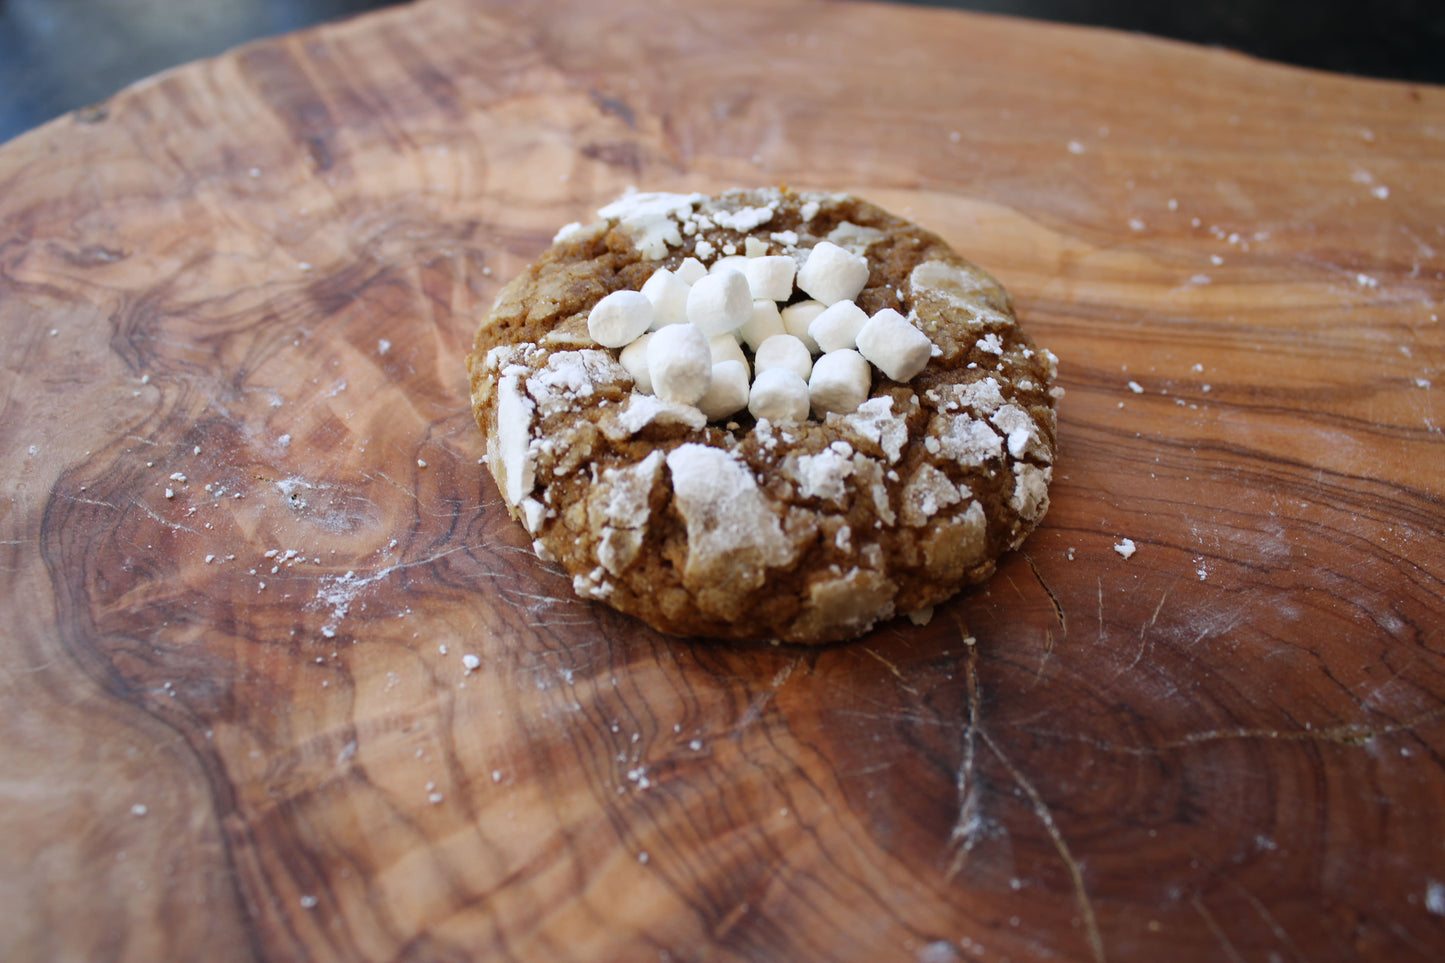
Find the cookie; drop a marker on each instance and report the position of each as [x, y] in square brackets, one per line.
[764, 415]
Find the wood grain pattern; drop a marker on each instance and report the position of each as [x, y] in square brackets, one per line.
[247, 541]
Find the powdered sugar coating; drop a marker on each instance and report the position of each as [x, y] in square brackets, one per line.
[733, 534]
[619, 508]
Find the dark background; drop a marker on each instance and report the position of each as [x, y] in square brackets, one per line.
[57, 55]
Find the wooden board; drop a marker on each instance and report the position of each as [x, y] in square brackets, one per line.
[247, 542]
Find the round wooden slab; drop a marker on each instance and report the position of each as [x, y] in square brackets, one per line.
[281, 679]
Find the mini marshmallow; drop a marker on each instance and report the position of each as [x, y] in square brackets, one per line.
[893, 344]
[731, 262]
[719, 303]
[668, 294]
[754, 246]
[725, 347]
[680, 363]
[770, 276]
[832, 274]
[763, 323]
[620, 318]
[797, 317]
[728, 393]
[691, 270]
[840, 382]
[780, 396]
[837, 326]
[784, 351]
[634, 359]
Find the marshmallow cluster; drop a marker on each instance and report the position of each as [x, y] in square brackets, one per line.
[683, 336]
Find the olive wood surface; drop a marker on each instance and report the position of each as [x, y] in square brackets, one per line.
[248, 551]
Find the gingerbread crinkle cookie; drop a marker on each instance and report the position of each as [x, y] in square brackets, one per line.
[764, 415]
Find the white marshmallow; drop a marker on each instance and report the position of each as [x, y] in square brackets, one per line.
[771, 276]
[728, 393]
[725, 347]
[899, 349]
[784, 351]
[840, 382]
[780, 396]
[691, 270]
[620, 318]
[797, 317]
[719, 303]
[754, 246]
[732, 262]
[837, 326]
[634, 359]
[668, 294]
[832, 274]
[763, 323]
[680, 363]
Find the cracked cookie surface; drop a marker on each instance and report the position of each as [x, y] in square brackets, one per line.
[812, 531]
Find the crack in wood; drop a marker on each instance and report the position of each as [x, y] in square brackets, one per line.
[1046, 817]
[967, 827]
[1225, 943]
[755, 708]
[1048, 652]
[514, 595]
[893, 669]
[1053, 599]
[969, 823]
[1348, 734]
[729, 922]
[77, 500]
[1015, 586]
[1144, 632]
[175, 526]
[1272, 923]
[1099, 584]
[1058, 614]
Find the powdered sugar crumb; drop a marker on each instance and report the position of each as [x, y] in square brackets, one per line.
[1435, 897]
